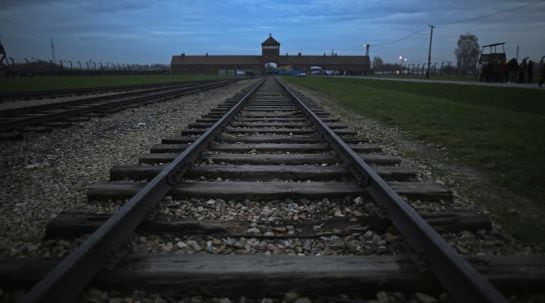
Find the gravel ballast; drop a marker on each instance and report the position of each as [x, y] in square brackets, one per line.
[13, 104]
[49, 172]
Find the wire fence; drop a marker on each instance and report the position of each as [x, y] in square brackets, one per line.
[39, 67]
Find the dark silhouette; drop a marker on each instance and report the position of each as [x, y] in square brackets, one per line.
[530, 71]
[486, 72]
[522, 71]
[504, 71]
[542, 71]
[496, 71]
[513, 67]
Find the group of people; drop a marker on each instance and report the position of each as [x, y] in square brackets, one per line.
[512, 72]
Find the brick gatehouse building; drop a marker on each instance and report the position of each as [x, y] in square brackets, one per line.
[270, 53]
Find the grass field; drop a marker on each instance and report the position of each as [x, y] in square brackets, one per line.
[468, 78]
[498, 131]
[61, 82]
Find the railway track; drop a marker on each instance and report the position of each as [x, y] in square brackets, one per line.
[266, 195]
[63, 114]
[89, 91]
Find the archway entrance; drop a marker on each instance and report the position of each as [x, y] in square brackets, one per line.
[270, 68]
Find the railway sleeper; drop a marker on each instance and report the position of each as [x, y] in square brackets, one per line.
[264, 147]
[276, 139]
[280, 120]
[267, 190]
[75, 223]
[267, 159]
[225, 275]
[260, 172]
[277, 270]
[198, 125]
[271, 130]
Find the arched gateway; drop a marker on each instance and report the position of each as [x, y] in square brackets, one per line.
[270, 56]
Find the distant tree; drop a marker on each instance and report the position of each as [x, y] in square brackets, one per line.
[377, 63]
[467, 52]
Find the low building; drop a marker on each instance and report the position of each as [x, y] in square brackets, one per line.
[270, 53]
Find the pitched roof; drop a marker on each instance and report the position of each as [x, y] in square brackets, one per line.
[282, 60]
[323, 60]
[270, 41]
[216, 60]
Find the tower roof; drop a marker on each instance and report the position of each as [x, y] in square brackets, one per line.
[270, 41]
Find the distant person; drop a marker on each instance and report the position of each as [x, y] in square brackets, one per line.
[482, 75]
[542, 71]
[489, 71]
[496, 71]
[522, 71]
[530, 71]
[504, 71]
[513, 67]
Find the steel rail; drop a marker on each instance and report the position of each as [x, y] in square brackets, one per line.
[87, 90]
[74, 272]
[82, 101]
[460, 279]
[146, 98]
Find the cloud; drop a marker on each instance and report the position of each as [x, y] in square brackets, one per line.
[141, 30]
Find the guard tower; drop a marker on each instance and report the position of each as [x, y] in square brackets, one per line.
[493, 54]
[270, 50]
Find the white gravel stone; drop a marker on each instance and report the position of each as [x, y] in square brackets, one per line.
[423, 298]
[62, 163]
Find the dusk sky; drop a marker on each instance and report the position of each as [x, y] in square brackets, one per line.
[147, 31]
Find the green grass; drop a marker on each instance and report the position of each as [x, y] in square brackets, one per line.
[453, 77]
[61, 82]
[498, 131]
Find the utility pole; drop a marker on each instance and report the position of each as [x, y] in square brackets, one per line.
[429, 52]
[52, 50]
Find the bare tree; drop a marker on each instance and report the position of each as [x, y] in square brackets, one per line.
[467, 52]
[378, 64]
